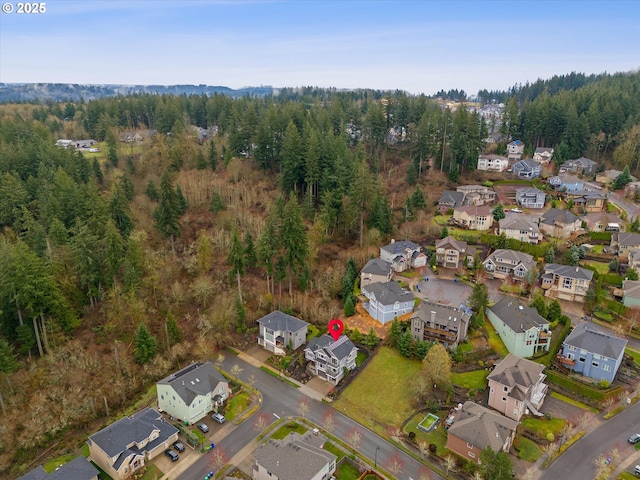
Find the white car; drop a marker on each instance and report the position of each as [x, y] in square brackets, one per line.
[516, 210]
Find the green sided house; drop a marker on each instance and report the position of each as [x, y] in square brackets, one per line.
[631, 296]
[521, 328]
[191, 393]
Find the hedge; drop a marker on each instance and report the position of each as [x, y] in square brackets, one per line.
[611, 279]
[536, 251]
[581, 388]
[601, 236]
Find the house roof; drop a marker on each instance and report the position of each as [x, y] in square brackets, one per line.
[516, 372]
[586, 337]
[626, 239]
[568, 271]
[544, 149]
[582, 161]
[516, 142]
[340, 348]
[606, 217]
[449, 196]
[482, 427]
[474, 210]
[294, 458]
[527, 164]
[474, 188]
[559, 217]
[77, 469]
[458, 245]
[279, 321]
[197, 379]
[517, 316]
[494, 157]
[565, 179]
[503, 255]
[529, 191]
[631, 288]
[401, 247]
[37, 473]
[115, 439]
[452, 316]
[388, 293]
[377, 266]
[518, 223]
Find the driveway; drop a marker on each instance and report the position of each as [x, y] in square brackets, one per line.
[450, 291]
[559, 409]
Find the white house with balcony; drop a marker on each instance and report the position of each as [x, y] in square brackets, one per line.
[279, 331]
[328, 358]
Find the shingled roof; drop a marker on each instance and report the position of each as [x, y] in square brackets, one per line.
[377, 266]
[482, 427]
[340, 348]
[200, 378]
[586, 337]
[518, 316]
[388, 293]
[279, 321]
[516, 372]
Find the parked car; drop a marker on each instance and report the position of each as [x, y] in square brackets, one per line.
[637, 470]
[218, 417]
[516, 210]
[179, 446]
[173, 456]
[203, 427]
[635, 438]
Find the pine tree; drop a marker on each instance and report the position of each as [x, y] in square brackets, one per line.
[356, 336]
[167, 213]
[498, 212]
[267, 248]
[201, 162]
[152, 191]
[217, 203]
[250, 256]
[213, 155]
[173, 330]
[372, 339]
[349, 307]
[145, 345]
[241, 316]
[97, 171]
[395, 332]
[182, 202]
[294, 240]
[120, 211]
[235, 258]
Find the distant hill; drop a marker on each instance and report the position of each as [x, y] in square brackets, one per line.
[30, 92]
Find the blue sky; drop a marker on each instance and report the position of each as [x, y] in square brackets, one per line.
[418, 46]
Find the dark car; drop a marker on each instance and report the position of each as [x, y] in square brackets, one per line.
[173, 456]
[635, 438]
[203, 427]
[179, 446]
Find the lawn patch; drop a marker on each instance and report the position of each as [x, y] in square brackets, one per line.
[601, 268]
[152, 473]
[495, 342]
[237, 405]
[527, 449]
[437, 436]
[476, 379]
[362, 400]
[312, 332]
[360, 358]
[51, 465]
[331, 448]
[635, 354]
[288, 428]
[347, 471]
[542, 426]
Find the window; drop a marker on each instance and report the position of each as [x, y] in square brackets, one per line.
[581, 359]
[567, 283]
[529, 342]
[469, 445]
[595, 364]
[572, 349]
[506, 389]
[471, 454]
[606, 367]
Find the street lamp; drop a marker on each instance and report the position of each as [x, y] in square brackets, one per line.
[375, 461]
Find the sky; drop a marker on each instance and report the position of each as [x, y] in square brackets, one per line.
[417, 46]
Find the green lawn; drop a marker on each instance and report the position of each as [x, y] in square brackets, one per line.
[312, 332]
[476, 379]
[237, 405]
[346, 471]
[152, 473]
[51, 465]
[529, 450]
[542, 426]
[635, 354]
[436, 436]
[379, 397]
[331, 448]
[626, 476]
[288, 428]
[601, 268]
[360, 358]
[495, 342]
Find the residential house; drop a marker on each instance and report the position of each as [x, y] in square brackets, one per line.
[124, 447]
[130, 137]
[530, 197]
[543, 155]
[566, 282]
[566, 183]
[631, 296]
[511, 264]
[521, 328]
[527, 169]
[623, 242]
[582, 165]
[477, 194]
[403, 255]
[632, 188]
[587, 201]
[516, 386]
[77, 469]
[279, 331]
[602, 222]
[475, 428]
[473, 218]
[515, 149]
[192, 392]
[592, 353]
[633, 259]
[328, 358]
[296, 457]
[609, 176]
[387, 301]
[496, 137]
[493, 163]
[452, 253]
[433, 322]
[64, 143]
[450, 200]
[520, 228]
[376, 270]
[559, 223]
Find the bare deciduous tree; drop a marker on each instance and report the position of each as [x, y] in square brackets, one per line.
[236, 370]
[394, 464]
[261, 422]
[303, 408]
[450, 464]
[329, 422]
[354, 438]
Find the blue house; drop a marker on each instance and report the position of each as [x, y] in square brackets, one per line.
[387, 301]
[566, 183]
[527, 169]
[592, 353]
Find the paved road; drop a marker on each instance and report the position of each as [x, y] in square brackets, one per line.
[577, 462]
[283, 400]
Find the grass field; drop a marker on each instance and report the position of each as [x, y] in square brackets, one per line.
[51, 465]
[288, 428]
[331, 448]
[436, 436]
[380, 396]
[529, 450]
[347, 471]
[476, 379]
[495, 342]
[237, 405]
[635, 354]
[601, 268]
[542, 426]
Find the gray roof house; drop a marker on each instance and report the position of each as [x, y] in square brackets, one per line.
[530, 197]
[624, 242]
[527, 169]
[376, 270]
[192, 392]
[328, 358]
[543, 155]
[125, 446]
[449, 200]
[603, 221]
[403, 255]
[593, 353]
[452, 253]
[475, 428]
[296, 457]
[387, 301]
[77, 469]
[521, 328]
[566, 282]
[434, 322]
[504, 263]
[580, 165]
[279, 331]
[520, 228]
[515, 149]
[631, 295]
[559, 223]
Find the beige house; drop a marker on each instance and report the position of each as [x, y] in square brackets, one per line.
[622, 243]
[433, 322]
[493, 163]
[603, 222]
[521, 229]
[566, 282]
[609, 176]
[473, 218]
[559, 223]
[543, 155]
[504, 263]
[475, 428]
[452, 253]
[376, 271]
[477, 194]
[124, 447]
[516, 386]
[515, 149]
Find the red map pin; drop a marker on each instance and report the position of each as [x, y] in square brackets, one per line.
[336, 327]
